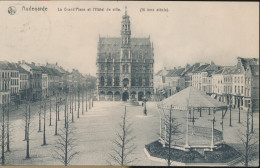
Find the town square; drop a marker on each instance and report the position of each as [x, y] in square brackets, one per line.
[133, 87]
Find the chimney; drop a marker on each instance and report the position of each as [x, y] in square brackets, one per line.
[56, 63]
[174, 68]
[33, 63]
[23, 61]
[19, 62]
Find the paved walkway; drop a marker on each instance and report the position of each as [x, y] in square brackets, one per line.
[95, 130]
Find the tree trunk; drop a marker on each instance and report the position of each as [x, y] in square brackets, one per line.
[82, 101]
[230, 117]
[247, 138]
[123, 140]
[78, 104]
[50, 112]
[56, 118]
[39, 130]
[72, 117]
[58, 106]
[87, 100]
[170, 138]
[26, 120]
[252, 119]
[44, 119]
[90, 97]
[3, 136]
[65, 111]
[28, 137]
[7, 129]
[75, 100]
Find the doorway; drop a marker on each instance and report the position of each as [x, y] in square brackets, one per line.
[125, 96]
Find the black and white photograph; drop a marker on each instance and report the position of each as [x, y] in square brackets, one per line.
[129, 83]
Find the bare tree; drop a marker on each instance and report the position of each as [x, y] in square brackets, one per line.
[172, 132]
[56, 116]
[50, 111]
[27, 128]
[3, 135]
[71, 108]
[44, 123]
[40, 118]
[82, 99]
[78, 101]
[7, 128]
[65, 145]
[87, 99]
[249, 141]
[123, 146]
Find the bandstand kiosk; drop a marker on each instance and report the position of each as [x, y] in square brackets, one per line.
[184, 105]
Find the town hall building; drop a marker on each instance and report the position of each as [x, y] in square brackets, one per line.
[125, 66]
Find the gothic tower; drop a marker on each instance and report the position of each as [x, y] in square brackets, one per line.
[125, 55]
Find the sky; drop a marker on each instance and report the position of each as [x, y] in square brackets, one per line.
[189, 32]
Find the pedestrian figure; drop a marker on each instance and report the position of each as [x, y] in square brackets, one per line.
[144, 105]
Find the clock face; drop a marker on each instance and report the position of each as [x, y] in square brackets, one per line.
[25, 31]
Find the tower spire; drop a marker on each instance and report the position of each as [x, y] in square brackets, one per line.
[125, 10]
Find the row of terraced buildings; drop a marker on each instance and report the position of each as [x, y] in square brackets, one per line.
[236, 85]
[21, 81]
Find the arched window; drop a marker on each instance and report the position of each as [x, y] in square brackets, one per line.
[102, 81]
[140, 81]
[125, 54]
[117, 81]
[102, 67]
[125, 82]
[109, 67]
[147, 81]
[125, 68]
[117, 67]
[133, 81]
[109, 81]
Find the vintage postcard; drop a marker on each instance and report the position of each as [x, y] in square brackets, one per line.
[128, 83]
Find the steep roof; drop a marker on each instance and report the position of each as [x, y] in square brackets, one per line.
[201, 68]
[4, 65]
[254, 70]
[159, 72]
[190, 97]
[175, 72]
[191, 69]
[21, 69]
[113, 45]
[248, 61]
[225, 70]
[51, 71]
[34, 67]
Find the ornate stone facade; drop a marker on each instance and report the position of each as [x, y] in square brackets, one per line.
[125, 66]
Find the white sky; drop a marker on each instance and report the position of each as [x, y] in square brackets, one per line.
[189, 32]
